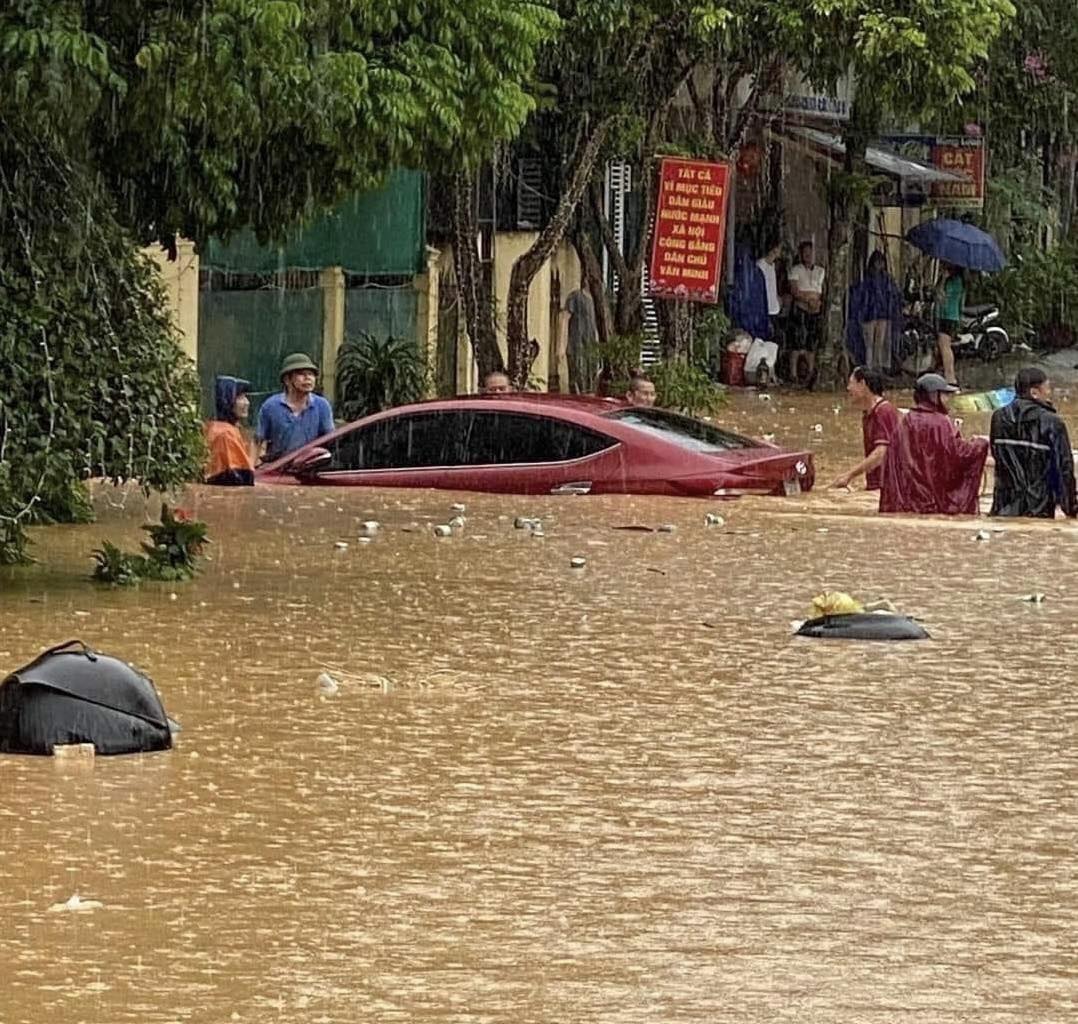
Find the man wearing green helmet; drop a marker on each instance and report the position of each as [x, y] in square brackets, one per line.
[295, 416]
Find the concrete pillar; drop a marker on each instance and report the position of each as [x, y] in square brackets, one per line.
[333, 296]
[426, 315]
[180, 278]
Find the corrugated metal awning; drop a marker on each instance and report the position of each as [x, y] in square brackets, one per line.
[881, 159]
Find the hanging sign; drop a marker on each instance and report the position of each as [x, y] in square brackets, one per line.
[964, 157]
[690, 230]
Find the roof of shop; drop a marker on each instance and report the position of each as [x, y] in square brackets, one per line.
[882, 159]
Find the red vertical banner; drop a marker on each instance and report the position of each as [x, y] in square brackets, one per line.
[690, 230]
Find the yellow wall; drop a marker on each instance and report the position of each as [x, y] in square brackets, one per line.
[180, 278]
[508, 247]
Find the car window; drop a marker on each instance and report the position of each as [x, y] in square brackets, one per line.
[395, 443]
[463, 437]
[490, 437]
[683, 431]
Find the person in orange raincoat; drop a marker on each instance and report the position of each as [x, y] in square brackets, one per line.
[230, 463]
[930, 469]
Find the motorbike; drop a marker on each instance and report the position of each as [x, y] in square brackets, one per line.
[981, 335]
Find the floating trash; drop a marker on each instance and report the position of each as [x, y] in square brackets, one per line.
[527, 523]
[457, 509]
[327, 684]
[711, 519]
[75, 905]
[764, 397]
[983, 536]
[863, 626]
[341, 546]
[668, 528]
[442, 531]
[537, 531]
[817, 428]
[370, 526]
[1034, 598]
[578, 562]
[457, 522]
[364, 540]
[769, 438]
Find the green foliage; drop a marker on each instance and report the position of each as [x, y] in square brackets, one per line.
[212, 116]
[378, 373]
[615, 359]
[686, 387]
[94, 383]
[172, 553]
[1040, 288]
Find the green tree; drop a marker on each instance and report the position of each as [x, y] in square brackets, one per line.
[126, 121]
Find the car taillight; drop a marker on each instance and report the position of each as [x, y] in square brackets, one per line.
[801, 467]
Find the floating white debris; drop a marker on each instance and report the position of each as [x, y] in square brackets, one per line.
[711, 519]
[457, 509]
[958, 421]
[174, 596]
[75, 904]
[537, 530]
[1034, 598]
[527, 523]
[442, 531]
[769, 438]
[817, 428]
[341, 546]
[983, 536]
[764, 397]
[370, 526]
[327, 684]
[578, 562]
[74, 751]
[457, 522]
[667, 528]
[364, 540]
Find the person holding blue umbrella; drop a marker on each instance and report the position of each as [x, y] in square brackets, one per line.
[957, 244]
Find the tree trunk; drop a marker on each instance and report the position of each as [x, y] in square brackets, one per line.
[474, 289]
[530, 262]
[846, 203]
[591, 273]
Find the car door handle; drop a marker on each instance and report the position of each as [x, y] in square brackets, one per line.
[577, 487]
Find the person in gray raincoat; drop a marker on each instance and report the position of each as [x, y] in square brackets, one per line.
[1032, 451]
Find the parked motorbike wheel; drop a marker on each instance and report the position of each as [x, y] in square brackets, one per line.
[994, 344]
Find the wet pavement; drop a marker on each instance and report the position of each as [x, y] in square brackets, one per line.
[546, 794]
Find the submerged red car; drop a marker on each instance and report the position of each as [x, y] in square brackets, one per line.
[543, 444]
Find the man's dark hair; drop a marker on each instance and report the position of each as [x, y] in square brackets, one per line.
[806, 244]
[872, 379]
[1028, 378]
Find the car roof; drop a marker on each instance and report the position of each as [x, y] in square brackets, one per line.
[590, 403]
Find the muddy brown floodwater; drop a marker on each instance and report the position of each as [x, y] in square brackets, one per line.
[618, 794]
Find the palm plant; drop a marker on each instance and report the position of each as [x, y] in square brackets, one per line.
[378, 373]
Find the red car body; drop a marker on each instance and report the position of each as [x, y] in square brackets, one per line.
[543, 444]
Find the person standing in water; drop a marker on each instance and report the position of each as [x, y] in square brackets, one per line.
[229, 463]
[295, 416]
[879, 421]
[1034, 473]
[930, 469]
[807, 284]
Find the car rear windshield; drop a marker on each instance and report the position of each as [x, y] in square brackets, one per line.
[683, 431]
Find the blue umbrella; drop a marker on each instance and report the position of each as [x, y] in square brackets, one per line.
[958, 243]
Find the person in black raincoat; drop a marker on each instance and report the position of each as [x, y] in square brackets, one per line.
[1032, 452]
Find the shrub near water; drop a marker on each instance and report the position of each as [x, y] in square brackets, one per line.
[172, 554]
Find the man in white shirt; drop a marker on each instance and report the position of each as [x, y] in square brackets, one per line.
[766, 263]
[806, 283]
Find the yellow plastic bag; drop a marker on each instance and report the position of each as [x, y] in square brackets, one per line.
[835, 602]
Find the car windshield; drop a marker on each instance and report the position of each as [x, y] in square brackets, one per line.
[683, 431]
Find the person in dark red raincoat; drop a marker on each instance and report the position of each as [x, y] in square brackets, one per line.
[930, 469]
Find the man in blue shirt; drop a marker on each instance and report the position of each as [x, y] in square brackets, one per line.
[296, 416]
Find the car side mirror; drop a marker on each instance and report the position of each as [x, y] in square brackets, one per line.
[311, 463]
